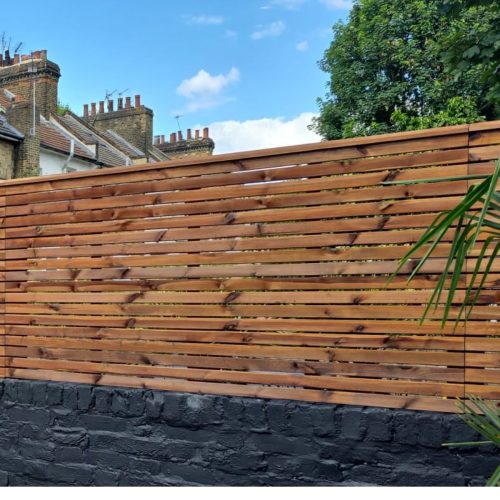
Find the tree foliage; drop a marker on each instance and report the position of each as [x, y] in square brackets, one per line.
[392, 67]
[469, 44]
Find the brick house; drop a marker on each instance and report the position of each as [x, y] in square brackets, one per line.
[37, 137]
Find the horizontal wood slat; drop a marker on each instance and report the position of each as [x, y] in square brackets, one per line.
[257, 274]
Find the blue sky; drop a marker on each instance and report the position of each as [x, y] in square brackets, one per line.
[248, 69]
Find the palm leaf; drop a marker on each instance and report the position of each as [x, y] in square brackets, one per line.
[477, 213]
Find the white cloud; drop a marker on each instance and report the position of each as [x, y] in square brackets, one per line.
[302, 46]
[230, 34]
[231, 135]
[204, 83]
[337, 4]
[205, 19]
[204, 90]
[274, 29]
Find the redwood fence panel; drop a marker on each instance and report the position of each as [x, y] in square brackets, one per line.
[260, 274]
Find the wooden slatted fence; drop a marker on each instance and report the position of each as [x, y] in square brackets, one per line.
[257, 274]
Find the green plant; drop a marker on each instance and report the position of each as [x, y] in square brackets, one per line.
[484, 418]
[477, 214]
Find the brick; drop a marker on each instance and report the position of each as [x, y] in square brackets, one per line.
[84, 397]
[72, 475]
[102, 399]
[70, 397]
[233, 411]
[30, 449]
[119, 403]
[173, 409]
[104, 423]
[39, 393]
[418, 475]
[405, 428]
[181, 450]
[153, 405]
[353, 425]
[372, 474]
[379, 425]
[70, 436]
[255, 414]
[430, 430]
[69, 454]
[323, 421]
[106, 478]
[127, 444]
[277, 416]
[106, 459]
[329, 470]
[28, 414]
[202, 411]
[136, 404]
[272, 443]
[54, 395]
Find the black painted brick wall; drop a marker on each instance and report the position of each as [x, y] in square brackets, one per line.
[67, 434]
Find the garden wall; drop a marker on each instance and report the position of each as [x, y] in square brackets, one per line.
[241, 303]
[73, 434]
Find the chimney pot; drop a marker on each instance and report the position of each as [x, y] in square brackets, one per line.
[189, 136]
[196, 134]
[205, 133]
[120, 103]
[137, 101]
[127, 103]
[172, 137]
[101, 106]
[85, 110]
[110, 105]
[93, 109]
[179, 135]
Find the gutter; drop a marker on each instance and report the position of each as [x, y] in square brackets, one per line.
[70, 156]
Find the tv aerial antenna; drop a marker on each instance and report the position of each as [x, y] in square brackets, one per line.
[177, 120]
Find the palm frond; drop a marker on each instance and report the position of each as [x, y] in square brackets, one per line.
[478, 213]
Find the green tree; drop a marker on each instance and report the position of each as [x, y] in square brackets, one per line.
[388, 70]
[469, 45]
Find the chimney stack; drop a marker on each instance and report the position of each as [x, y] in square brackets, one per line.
[172, 137]
[127, 103]
[16, 58]
[120, 103]
[205, 133]
[189, 136]
[110, 105]
[93, 109]
[137, 101]
[85, 110]
[101, 106]
[162, 139]
[179, 135]
[196, 134]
